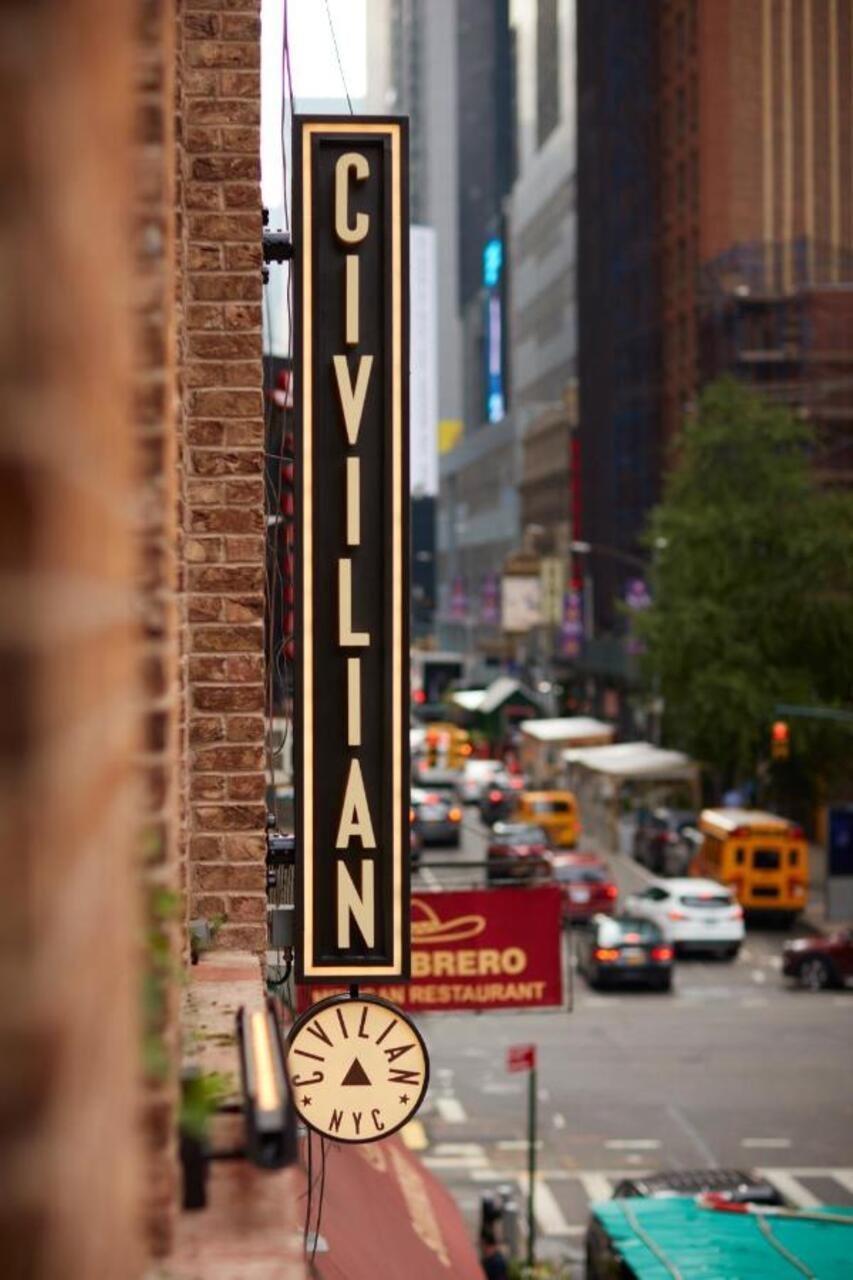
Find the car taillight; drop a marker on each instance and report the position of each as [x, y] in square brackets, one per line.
[495, 796]
[611, 891]
[661, 953]
[796, 887]
[465, 749]
[454, 814]
[411, 815]
[606, 953]
[676, 915]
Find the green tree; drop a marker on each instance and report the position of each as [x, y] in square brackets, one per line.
[752, 591]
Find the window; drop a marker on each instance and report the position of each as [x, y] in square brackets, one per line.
[580, 875]
[793, 857]
[706, 902]
[766, 859]
[740, 856]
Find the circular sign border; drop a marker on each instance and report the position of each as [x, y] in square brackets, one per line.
[331, 1002]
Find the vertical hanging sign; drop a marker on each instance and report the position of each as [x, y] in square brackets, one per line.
[351, 363]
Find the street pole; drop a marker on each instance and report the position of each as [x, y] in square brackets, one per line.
[531, 1166]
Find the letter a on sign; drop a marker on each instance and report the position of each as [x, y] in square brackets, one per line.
[351, 708]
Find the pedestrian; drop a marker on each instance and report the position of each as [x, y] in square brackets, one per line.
[492, 1257]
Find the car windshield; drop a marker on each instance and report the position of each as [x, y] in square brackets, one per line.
[706, 901]
[550, 806]
[611, 932]
[580, 874]
[520, 833]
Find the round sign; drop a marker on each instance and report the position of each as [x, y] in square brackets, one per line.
[358, 1068]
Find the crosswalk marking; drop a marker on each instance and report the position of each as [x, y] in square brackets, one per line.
[845, 1177]
[596, 1185]
[549, 1215]
[632, 1144]
[792, 1189]
[451, 1110]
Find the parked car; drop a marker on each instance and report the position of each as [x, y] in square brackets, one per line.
[447, 781]
[587, 886]
[660, 843]
[498, 801]
[737, 1186]
[517, 851]
[437, 817]
[416, 841]
[476, 776]
[625, 949]
[819, 962]
[692, 914]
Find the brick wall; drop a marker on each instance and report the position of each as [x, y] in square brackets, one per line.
[69, 1048]
[223, 477]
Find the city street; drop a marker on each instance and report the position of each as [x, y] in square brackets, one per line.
[732, 1069]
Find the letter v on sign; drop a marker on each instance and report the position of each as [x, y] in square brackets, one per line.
[352, 397]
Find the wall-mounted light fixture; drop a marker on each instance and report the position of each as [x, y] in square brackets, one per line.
[270, 1120]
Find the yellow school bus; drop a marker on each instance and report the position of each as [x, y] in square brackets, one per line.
[763, 858]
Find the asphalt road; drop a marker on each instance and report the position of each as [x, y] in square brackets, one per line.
[731, 1069]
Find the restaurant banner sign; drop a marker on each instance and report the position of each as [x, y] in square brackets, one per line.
[477, 949]
[351, 363]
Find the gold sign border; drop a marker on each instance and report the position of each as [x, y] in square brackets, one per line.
[309, 968]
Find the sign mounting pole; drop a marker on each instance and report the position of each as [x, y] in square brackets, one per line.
[531, 1164]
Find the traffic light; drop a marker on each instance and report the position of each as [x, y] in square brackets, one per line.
[780, 740]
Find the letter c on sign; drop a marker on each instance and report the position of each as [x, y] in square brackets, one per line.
[356, 164]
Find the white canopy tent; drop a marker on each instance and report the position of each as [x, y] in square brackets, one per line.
[609, 781]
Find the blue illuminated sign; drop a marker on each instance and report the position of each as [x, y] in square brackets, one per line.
[493, 258]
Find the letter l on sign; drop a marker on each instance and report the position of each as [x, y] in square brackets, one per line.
[521, 1057]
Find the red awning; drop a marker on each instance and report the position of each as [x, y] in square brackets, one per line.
[384, 1215]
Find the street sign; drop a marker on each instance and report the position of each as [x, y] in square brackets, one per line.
[478, 949]
[552, 574]
[352, 681]
[521, 1057]
[358, 1068]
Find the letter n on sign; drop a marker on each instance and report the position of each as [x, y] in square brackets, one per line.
[351, 360]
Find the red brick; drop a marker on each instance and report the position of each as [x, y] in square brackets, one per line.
[222, 346]
[243, 139]
[240, 27]
[230, 817]
[241, 520]
[244, 728]
[200, 316]
[244, 848]
[242, 373]
[206, 729]
[228, 578]
[209, 53]
[241, 434]
[203, 83]
[226, 876]
[241, 195]
[246, 668]
[208, 848]
[246, 786]
[240, 84]
[204, 257]
[207, 786]
[229, 759]
[226, 168]
[245, 909]
[225, 403]
[208, 462]
[201, 141]
[243, 316]
[229, 698]
[219, 288]
[205, 609]
[225, 226]
[225, 639]
[202, 195]
[244, 610]
[207, 906]
[243, 937]
[203, 550]
[238, 492]
[250, 550]
[223, 110]
[207, 670]
[201, 24]
[205, 493]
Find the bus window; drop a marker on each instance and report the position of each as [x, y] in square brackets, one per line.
[766, 859]
[740, 856]
[793, 857]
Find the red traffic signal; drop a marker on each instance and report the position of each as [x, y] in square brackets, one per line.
[780, 740]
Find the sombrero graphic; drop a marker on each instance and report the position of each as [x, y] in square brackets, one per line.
[428, 928]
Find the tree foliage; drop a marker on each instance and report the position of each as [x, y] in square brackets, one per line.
[752, 588]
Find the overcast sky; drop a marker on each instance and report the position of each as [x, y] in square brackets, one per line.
[313, 63]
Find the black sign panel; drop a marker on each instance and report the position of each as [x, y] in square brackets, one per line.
[351, 358]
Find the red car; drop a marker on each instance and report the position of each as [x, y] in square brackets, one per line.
[517, 851]
[820, 961]
[587, 885]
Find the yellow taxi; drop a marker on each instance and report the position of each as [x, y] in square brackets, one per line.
[556, 812]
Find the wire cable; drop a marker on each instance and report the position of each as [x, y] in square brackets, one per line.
[338, 56]
[797, 1263]
[320, 1198]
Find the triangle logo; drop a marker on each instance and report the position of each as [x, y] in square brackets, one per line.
[356, 1074]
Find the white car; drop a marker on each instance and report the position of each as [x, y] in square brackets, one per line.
[692, 913]
[476, 776]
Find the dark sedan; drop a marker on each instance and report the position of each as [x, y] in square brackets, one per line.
[662, 842]
[820, 962]
[517, 851]
[498, 801]
[438, 817]
[621, 949]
